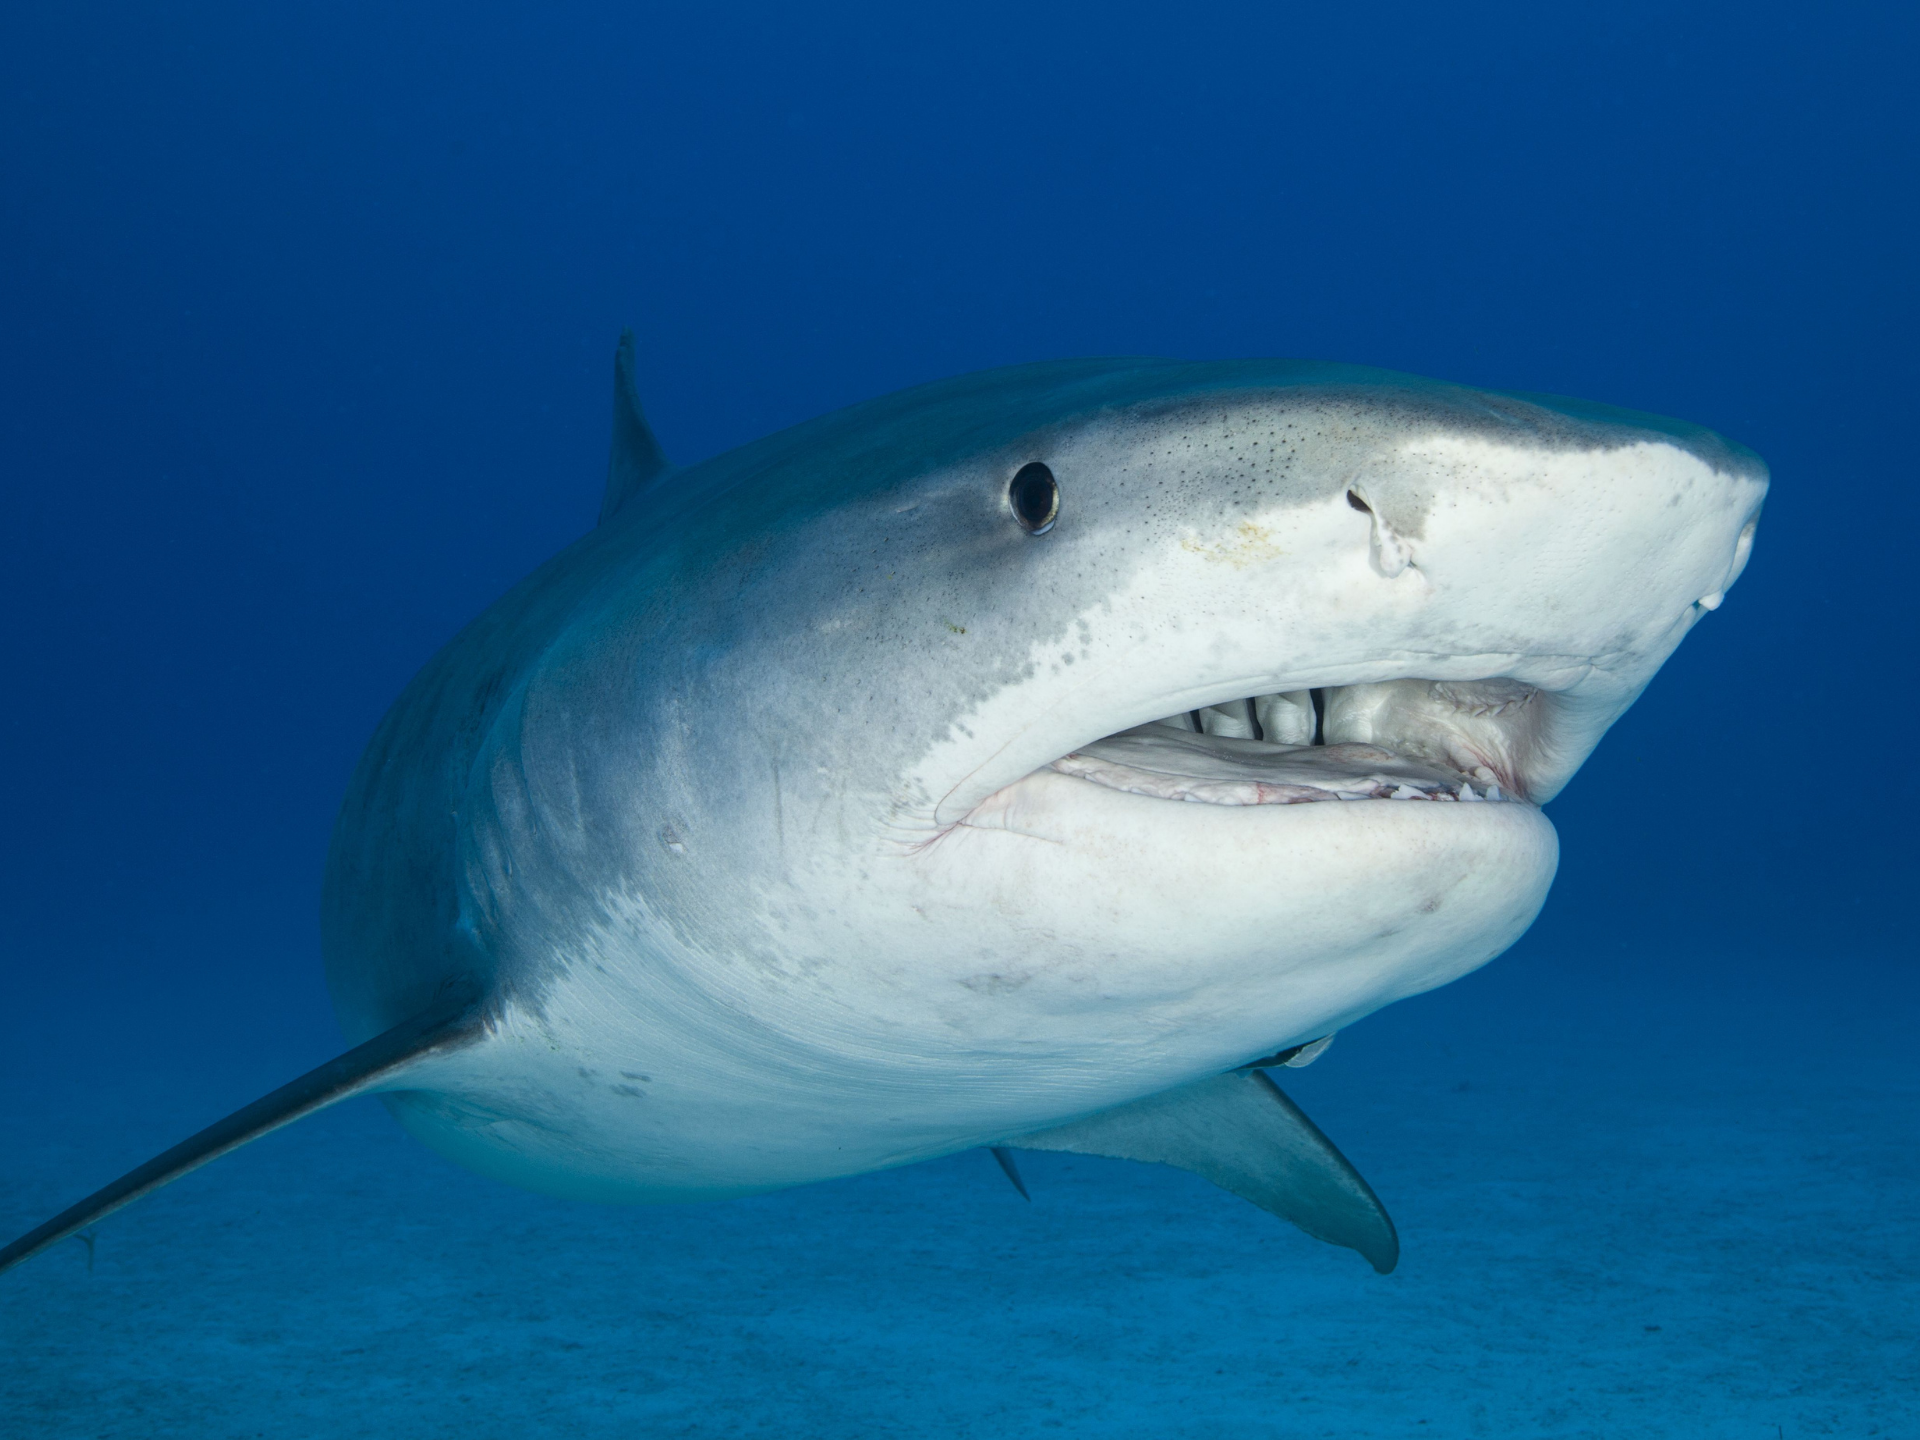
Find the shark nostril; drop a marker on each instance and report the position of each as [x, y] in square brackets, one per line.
[1034, 497]
[1357, 503]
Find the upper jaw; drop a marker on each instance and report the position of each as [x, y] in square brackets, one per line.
[1541, 591]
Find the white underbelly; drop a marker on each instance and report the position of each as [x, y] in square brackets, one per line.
[1027, 972]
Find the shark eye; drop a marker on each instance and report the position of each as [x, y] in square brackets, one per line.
[1034, 498]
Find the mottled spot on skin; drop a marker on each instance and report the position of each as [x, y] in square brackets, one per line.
[629, 1075]
[1251, 545]
[995, 984]
[633, 1090]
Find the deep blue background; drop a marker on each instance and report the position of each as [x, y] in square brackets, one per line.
[306, 314]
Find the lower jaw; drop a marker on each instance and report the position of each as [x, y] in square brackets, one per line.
[1166, 763]
[1210, 770]
[1268, 913]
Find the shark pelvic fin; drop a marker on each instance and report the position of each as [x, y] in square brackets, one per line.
[1009, 1169]
[636, 460]
[446, 1027]
[1240, 1131]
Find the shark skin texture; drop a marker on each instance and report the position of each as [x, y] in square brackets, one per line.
[1042, 758]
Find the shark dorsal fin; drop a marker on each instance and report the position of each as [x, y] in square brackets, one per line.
[637, 459]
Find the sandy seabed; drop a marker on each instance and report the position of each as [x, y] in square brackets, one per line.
[1605, 1235]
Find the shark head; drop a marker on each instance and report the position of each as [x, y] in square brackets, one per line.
[1009, 749]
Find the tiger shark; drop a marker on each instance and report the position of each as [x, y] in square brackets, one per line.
[1040, 759]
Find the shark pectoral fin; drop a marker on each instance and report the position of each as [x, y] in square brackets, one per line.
[636, 459]
[446, 1027]
[1240, 1131]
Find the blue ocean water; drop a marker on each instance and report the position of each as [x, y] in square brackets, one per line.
[308, 316]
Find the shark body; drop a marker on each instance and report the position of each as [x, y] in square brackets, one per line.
[1032, 758]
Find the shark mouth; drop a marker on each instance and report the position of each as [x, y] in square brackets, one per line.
[1447, 741]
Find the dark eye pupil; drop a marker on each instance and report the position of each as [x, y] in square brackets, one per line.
[1035, 498]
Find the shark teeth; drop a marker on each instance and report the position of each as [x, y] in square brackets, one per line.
[1289, 719]
[1234, 719]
